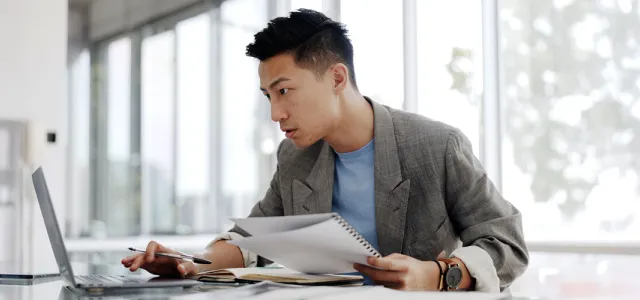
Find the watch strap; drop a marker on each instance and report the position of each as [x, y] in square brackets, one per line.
[441, 278]
[450, 262]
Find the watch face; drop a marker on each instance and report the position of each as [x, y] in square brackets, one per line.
[454, 277]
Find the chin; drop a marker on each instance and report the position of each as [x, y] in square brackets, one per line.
[301, 142]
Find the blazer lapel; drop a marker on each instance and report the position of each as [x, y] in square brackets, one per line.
[391, 191]
[314, 194]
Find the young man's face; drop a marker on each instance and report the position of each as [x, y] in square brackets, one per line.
[305, 105]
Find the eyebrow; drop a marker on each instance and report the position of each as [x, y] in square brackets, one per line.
[276, 82]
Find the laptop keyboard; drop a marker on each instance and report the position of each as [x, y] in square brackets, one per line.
[106, 279]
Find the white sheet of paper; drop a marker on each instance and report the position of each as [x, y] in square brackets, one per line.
[363, 292]
[319, 292]
[276, 272]
[266, 225]
[252, 291]
[385, 293]
[324, 248]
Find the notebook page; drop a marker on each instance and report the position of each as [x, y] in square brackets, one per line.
[288, 273]
[275, 274]
[239, 272]
[264, 225]
[321, 249]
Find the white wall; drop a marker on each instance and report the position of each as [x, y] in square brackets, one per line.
[33, 88]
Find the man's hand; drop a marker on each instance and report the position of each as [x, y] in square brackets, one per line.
[402, 272]
[163, 266]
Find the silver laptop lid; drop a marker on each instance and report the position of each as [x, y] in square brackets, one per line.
[53, 230]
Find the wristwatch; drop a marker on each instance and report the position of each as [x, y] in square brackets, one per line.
[453, 274]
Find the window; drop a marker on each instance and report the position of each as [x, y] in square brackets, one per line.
[157, 132]
[377, 40]
[449, 64]
[119, 103]
[79, 129]
[116, 213]
[245, 117]
[309, 4]
[248, 14]
[571, 100]
[570, 121]
[193, 123]
[579, 276]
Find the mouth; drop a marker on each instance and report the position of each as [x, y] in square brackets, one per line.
[289, 133]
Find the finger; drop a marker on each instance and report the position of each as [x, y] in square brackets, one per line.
[391, 285]
[137, 263]
[387, 263]
[152, 248]
[130, 259]
[398, 256]
[187, 269]
[150, 252]
[381, 276]
[442, 254]
[387, 284]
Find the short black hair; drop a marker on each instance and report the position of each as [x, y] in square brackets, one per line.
[315, 41]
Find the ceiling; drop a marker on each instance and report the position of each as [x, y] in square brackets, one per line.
[80, 2]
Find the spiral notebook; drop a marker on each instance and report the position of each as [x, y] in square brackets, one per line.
[313, 244]
[280, 275]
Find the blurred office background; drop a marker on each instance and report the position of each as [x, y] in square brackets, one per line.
[162, 133]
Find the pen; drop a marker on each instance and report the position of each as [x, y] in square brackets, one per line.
[177, 256]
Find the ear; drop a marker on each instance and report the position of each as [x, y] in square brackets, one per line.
[340, 74]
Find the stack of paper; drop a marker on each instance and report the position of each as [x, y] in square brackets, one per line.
[313, 244]
[281, 275]
[274, 291]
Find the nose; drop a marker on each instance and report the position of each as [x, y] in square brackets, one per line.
[278, 112]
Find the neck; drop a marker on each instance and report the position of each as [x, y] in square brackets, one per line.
[355, 127]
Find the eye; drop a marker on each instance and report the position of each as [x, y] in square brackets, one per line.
[283, 91]
[268, 96]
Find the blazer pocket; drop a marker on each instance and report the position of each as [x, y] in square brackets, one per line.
[424, 245]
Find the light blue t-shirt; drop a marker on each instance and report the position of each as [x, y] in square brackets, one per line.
[353, 191]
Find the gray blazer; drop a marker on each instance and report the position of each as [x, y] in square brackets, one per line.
[431, 193]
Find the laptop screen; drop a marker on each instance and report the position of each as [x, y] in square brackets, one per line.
[51, 223]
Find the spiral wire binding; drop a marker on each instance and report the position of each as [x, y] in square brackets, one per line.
[355, 234]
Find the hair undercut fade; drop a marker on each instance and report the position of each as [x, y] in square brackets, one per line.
[315, 41]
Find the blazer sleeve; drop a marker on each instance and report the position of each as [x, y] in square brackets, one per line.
[480, 214]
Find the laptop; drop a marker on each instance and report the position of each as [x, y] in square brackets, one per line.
[90, 283]
[12, 273]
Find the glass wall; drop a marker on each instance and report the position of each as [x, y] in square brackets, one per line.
[158, 144]
[449, 42]
[193, 133]
[79, 150]
[571, 107]
[240, 114]
[378, 48]
[116, 213]
[568, 97]
[168, 130]
[308, 4]
[176, 137]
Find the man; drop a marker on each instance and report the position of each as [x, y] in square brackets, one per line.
[411, 186]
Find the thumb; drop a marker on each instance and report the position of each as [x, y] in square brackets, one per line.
[442, 254]
[187, 268]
